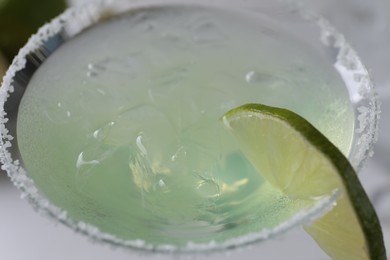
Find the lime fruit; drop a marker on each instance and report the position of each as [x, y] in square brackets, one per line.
[296, 158]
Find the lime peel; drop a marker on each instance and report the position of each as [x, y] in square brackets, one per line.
[300, 161]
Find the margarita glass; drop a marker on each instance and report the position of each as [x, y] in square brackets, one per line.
[110, 119]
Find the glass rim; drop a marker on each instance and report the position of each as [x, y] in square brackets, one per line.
[90, 14]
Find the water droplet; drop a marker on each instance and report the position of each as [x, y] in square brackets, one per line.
[96, 133]
[249, 76]
[161, 183]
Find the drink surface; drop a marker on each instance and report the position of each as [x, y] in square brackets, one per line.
[121, 125]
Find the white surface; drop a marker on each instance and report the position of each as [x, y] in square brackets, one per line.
[24, 234]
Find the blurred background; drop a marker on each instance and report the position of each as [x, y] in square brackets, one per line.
[25, 234]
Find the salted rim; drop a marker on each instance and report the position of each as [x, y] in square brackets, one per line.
[348, 63]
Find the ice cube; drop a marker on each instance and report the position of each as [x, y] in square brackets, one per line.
[128, 125]
[264, 79]
[121, 69]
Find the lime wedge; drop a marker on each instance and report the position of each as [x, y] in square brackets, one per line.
[296, 158]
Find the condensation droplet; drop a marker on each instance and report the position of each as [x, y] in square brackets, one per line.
[249, 76]
[161, 183]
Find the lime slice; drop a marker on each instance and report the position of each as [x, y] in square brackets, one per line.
[296, 158]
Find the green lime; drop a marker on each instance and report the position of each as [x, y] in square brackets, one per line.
[296, 158]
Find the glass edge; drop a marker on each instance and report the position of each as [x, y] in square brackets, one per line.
[367, 107]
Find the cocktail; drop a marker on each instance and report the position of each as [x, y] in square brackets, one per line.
[115, 108]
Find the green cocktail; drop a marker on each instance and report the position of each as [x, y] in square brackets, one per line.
[120, 126]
